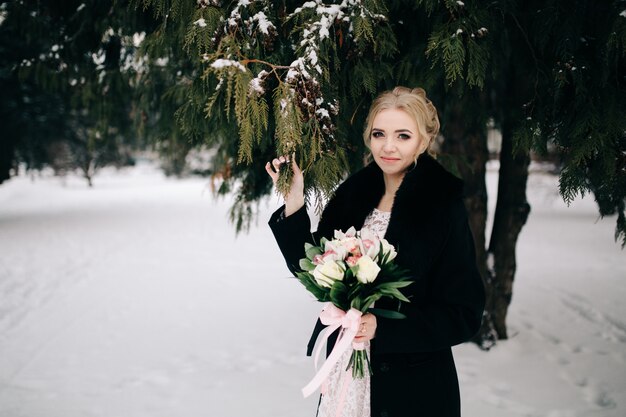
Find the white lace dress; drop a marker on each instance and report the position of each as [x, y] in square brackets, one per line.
[357, 396]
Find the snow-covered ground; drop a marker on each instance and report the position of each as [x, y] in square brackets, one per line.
[136, 299]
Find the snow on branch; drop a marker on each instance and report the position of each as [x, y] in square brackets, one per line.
[258, 20]
[318, 23]
[224, 63]
[244, 42]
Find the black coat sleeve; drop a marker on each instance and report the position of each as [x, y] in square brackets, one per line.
[291, 233]
[451, 311]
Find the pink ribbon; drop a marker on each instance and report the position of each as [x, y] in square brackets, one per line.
[334, 318]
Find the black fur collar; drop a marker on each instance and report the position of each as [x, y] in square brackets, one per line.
[424, 188]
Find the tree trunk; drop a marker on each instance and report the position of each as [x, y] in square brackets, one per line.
[511, 213]
[7, 155]
[88, 168]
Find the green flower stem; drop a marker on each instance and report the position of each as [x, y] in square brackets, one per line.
[359, 361]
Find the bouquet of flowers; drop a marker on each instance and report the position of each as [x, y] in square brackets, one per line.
[352, 271]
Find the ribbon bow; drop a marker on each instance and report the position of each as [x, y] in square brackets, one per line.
[334, 318]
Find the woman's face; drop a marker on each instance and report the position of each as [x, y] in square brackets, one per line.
[395, 141]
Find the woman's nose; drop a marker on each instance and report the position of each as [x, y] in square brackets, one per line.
[388, 146]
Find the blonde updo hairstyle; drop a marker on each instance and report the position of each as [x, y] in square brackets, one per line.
[412, 101]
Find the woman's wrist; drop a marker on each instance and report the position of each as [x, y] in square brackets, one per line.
[293, 204]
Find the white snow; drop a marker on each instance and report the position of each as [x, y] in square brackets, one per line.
[234, 16]
[219, 84]
[323, 113]
[108, 34]
[162, 62]
[223, 63]
[283, 105]
[99, 57]
[232, 21]
[200, 23]
[297, 68]
[305, 5]
[138, 38]
[256, 84]
[136, 299]
[312, 58]
[263, 22]
[324, 26]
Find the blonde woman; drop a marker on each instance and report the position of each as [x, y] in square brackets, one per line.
[406, 196]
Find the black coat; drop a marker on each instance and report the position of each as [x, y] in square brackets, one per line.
[413, 368]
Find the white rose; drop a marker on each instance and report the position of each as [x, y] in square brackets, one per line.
[366, 270]
[327, 273]
[388, 248]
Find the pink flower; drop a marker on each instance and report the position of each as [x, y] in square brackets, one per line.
[355, 251]
[352, 260]
[339, 235]
[370, 243]
[349, 243]
[318, 260]
[334, 251]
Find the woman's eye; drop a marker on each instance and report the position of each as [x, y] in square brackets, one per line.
[404, 136]
[377, 134]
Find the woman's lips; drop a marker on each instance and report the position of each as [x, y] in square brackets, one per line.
[388, 159]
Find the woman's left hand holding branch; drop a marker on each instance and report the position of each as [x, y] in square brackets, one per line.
[294, 199]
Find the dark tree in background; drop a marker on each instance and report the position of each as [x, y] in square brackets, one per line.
[252, 79]
[67, 71]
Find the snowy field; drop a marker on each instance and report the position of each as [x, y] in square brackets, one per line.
[136, 299]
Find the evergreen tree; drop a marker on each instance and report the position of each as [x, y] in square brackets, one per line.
[262, 75]
[68, 68]
[253, 79]
[285, 77]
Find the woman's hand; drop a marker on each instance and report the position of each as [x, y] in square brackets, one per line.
[294, 199]
[367, 329]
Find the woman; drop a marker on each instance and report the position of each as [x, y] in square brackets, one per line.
[417, 205]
